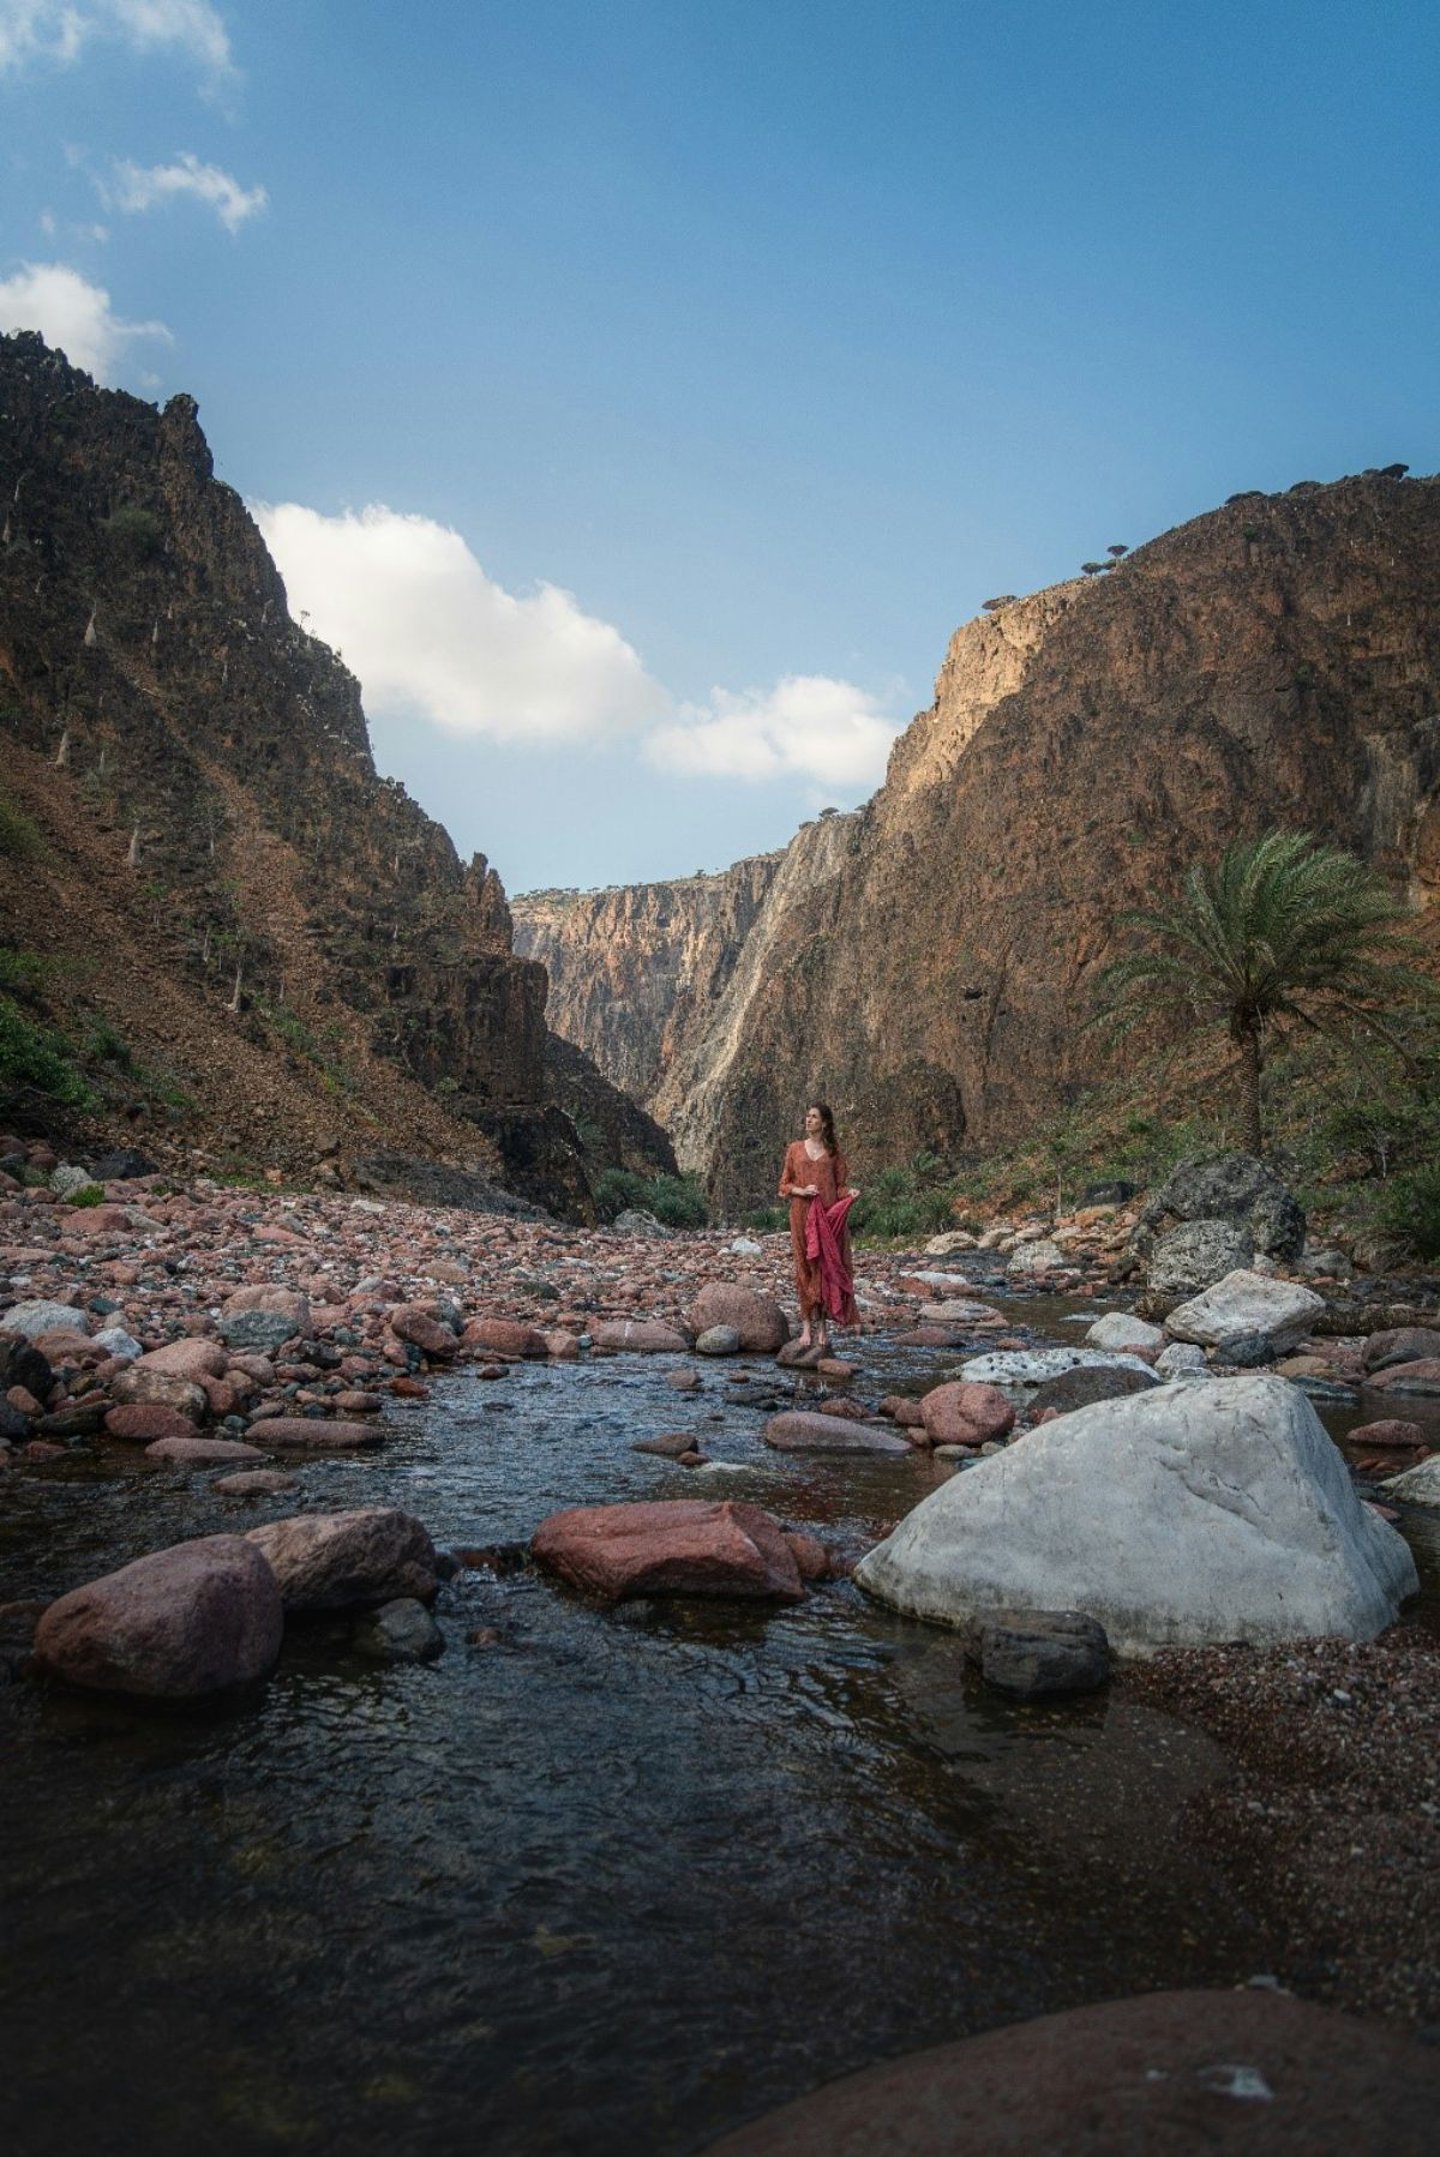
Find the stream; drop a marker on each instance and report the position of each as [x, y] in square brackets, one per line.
[614, 1881]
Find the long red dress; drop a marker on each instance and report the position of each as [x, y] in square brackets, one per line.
[830, 1175]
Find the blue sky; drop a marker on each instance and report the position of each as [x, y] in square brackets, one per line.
[639, 394]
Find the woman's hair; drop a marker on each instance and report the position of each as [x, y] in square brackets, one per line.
[827, 1126]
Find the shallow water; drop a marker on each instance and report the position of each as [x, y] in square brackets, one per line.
[613, 1884]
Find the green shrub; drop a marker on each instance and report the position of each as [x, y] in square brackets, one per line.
[1410, 1209]
[134, 531]
[19, 834]
[103, 1045]
[32, 1058]
[22, 974]
[766, 1220]
[910, 1201]
[677, 1201]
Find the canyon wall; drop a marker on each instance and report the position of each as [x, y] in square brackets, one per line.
[201, 770]
[1276, 662]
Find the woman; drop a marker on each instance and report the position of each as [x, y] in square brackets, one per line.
[815, 1175]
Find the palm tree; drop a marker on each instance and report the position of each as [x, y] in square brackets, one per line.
[1280, 932]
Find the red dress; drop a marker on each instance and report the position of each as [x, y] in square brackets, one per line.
[830, 1175]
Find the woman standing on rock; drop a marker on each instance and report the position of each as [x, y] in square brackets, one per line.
[815, 1179]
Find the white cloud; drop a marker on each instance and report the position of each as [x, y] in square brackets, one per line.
[141, 187]
[70, 312]
[59, 30]
[808, 726]
[429, 633]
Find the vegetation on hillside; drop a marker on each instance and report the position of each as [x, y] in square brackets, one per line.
[675, 1201]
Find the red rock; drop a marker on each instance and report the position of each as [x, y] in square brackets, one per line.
[641, 1336]
[316, 1434]
[183, 1622]
[674, 1547]
[683, 1381]
[257, 1367]
[1422, 1377]
[23, 1401]
[563, 1346]
[334, 1561]
[409, 1389]
[837, 1371]
[202, 1452]
[425, 1333]
[1170, 2074]
[42, 1449]
[812, 1560]
[194, 1359]
[1390, 1432]
[903, 1410]
[759, 1320]
[255, 1482]
[799, 1430]
[347, 1403]
[159, 1389]
[504, 1337]
[930, 1337]
[144, 1422]
[963, 1413]
[97, 1221]
[223, 1398]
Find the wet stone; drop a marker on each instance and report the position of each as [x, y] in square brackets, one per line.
[1034, 1654]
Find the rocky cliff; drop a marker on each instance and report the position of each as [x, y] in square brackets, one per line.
[1274, 662]
[200, 770]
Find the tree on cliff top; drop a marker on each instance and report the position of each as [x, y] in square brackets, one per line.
[1280, 932]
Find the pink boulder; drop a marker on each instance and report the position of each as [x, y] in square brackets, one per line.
[505, 1337]
[683, 1546]
[1390, 1431]
[202, 1452]
[255, 1483]
[176, 1625]
[964, 1413]
[1421, 1377]
[800, 1430]
[332, 1561]
[145, 1421]
[194, 1359]
[408, 1323]
[812, 1560]
[317, 1434]
[759, 1320]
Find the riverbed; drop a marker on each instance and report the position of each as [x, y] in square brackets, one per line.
[596, 1881]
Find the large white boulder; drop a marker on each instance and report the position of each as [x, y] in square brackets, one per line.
[1419, 1485]
[1212, 1511]
[1245, 1309]
[1122, 1329]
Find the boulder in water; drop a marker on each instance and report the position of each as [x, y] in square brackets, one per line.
[1184, 1516]
[1247, 1316]
[194, 1619]
[333, 1561]
[683, 1546]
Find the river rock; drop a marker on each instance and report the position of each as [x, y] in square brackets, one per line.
[1032, 1654]
[1182, 1359]
[33, 1320]
[1421, 1379]
[800, 1430]
[202, 1452]
[180, 1623]
[949, 1242]
[685, 1546]
[641, 1336]
[1400, 1344]
[409, 1323]
[1032, 1366]
[262, 1331]
[116, 1341]
[667, 1445]
[145, 1422]
[718, 1341]
[759, 1320]
[1232, 2073]
[255, 1483]
[964, 1414]
[195, 1359]
[636, 1221]
[318, 1434]
[1184, 1516]
[160, 1389]
[957, 1311]
[1389, 1434]
[506, 1337]
[1419, 1485]
[332, 1561]
[1084, 1386]
[1032, 1258]
[1197, 1254]
[401, 1631]
[1120, 1329]
[1243, 1309]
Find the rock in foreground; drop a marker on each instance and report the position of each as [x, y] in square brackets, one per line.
[1170, 2074]
[333, 1561]
[176, 1625]
[1214, 1511]
[680, 1546]
[799, 1430]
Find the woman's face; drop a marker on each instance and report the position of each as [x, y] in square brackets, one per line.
[814, 1123]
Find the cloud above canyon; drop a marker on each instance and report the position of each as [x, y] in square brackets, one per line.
[73, 314]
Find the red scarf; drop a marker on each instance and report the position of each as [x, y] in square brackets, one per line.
[824, 1226]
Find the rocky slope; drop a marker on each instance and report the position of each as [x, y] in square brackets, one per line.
[1274, 662]
[229, 885]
